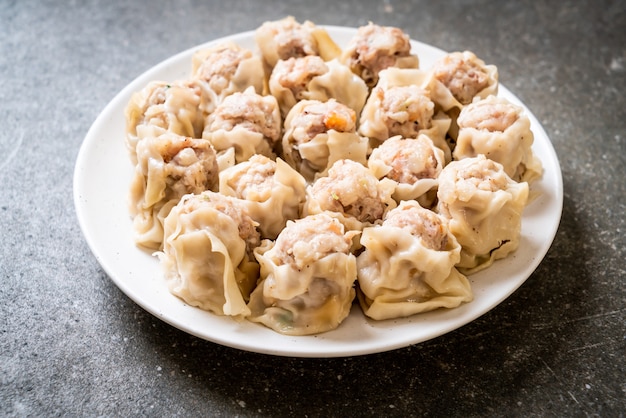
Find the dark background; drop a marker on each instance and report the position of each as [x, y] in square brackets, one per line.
[71, 343]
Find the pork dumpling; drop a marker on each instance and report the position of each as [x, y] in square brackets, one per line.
[288, 38]
[310, 78]
[501, 131]
[207, 254]
[408, 265]
[459, 77]
[351, 193]
[227, 68]
[169, 166]
[402, 110]
[374, 48]
[179, 107]
[413, 164]
[271, 191]
[397, 106]
[248, 122]
[484, 207]
[307, 277]
[319, 133]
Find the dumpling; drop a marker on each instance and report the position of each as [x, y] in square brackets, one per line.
[207, 254]
[407, 265]
[459, 77]
[310, 78]
[287, 38]
[398, 110]
[413, 164]
[351, 193]
[228, 68]
[484, 207]
[247, 122]
[375, 48]
[319, 133]
[179, 107]
[307, 277]
[399, 106]
[271, 191]
[501, 131]
[169, 166]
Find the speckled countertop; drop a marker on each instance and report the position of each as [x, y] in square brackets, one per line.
[71, 343]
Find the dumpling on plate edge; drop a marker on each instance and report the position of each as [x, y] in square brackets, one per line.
[207, 253]
[168, 167]
[408, 265]
[484, 208]
[500, 130]
[457, 78]
[179, 107]
[307, 277]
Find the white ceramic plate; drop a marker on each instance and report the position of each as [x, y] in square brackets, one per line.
[101, 182]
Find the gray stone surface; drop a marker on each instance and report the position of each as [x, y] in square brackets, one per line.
[71, 343]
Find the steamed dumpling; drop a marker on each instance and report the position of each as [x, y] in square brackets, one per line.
[207, 253]
[352, 193]
[169, 166]
[319, 133]
[307, 277]
[310, 78]
[374, 48]
[484, 208]
[412, 163]
[228, 68]
[460, 77]
[501, 131]
[408, 265]
[246, 122]
[399, 106]
[271, 191]
[287, 38]
[178, 107]
[397, 110]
